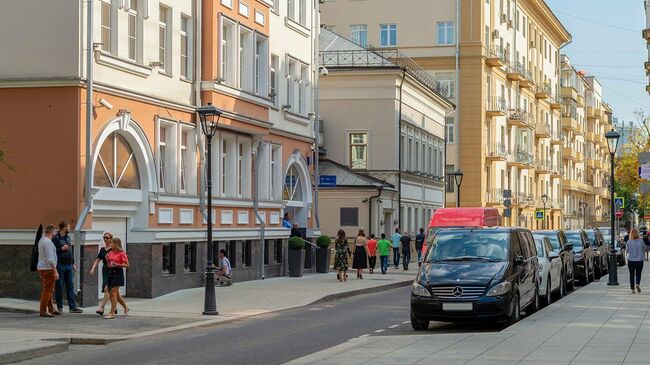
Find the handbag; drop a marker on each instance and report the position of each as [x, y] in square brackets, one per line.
[33, 262]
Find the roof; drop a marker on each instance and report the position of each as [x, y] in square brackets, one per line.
[345, 177]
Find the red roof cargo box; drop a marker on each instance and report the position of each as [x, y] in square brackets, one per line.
[465, 217]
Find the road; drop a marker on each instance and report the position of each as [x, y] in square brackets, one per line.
[269, 339]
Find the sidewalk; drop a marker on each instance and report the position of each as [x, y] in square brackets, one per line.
[597, 324]
[24, 333]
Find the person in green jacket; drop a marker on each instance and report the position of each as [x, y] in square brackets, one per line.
[383, 248]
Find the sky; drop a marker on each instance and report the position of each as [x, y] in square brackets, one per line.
[607, 43]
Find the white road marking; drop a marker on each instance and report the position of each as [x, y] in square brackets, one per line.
[366, 335]
[380, 331]
[393, 326]
[406, 322]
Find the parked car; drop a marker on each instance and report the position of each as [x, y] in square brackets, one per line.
[583, 256]
[461, 217]
[476, 274]
[601, 251]
[550, 270]
[565, 249]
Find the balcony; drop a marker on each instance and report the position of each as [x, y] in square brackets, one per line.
[516, 72]
[519, 118]
[521, 159]
[580, 156]
[569, 92]
[580, 100]
[569, 153]
[542, 130]
[543, 167]
[496, 152]
[570, 124]
[590, 162]
[496, 106]
[528, 81]
[497, 57]
[555, 205]
[557, 137]
[576, 186]
[590, 137]
[599, 139]
[494, 196]
[557, 171]
[598, 164]
[543, 91]
[604, 192]
[555, 102]
[646, 34]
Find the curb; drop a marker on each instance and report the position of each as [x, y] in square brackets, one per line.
[17, 310]
[375, 289]
[23, 355]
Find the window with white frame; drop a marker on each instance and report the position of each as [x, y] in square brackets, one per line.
[297, 11]
[291, 76]
[275, 79]
[240, 169]
[302, 89]
[132, 33]
[224, 185]
[167, 145]
[244, 9]
[276, 172]
[163, 38]
[261, 65]
[185, 58]
[246, 59]
[227, 55]
[106, 15]
[448, 83]
[388, 35]
[449, 124]
[359, 34]
[291, 9]
[446, 33]
[227, 3]
[243, 167]
[184, 155]
[358, 151]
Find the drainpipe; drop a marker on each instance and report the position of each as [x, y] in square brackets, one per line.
[457, 87]
[315, 86]
[399, 154]
[379, 189]
[197, 101]
[89, 160]
[256, 202]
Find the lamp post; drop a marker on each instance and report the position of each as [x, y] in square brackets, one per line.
[209, 116]
[544, 201]
[458, 179]
[584, 205]
[612, 144]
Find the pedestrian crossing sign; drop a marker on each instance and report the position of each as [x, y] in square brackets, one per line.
[539, 215]
[619, 202]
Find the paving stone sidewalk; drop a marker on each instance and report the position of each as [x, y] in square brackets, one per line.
[597, 324]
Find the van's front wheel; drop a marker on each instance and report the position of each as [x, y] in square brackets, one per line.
[515, 313]
[419, 324]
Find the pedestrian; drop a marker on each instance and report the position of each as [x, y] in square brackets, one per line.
[360, 260]
[286, 221]
[107, 239]
[372, 253]
[635, 255]
[117, 262]
[383, 246]
[224, 272]
[419, 243]
[47, 271]
[66, 268]
[396, 243]
[406, 249]
[341, 249]
[646, 241]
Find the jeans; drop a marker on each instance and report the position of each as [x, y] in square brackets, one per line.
[396, 257]
[47, 289]
[372, 261]
[419, 256]
[65, 279]
[407, 259]
[384, 263]
[635, 267]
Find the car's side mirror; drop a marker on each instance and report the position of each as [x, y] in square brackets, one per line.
[568, 247]
[519, 261]
[553, 255]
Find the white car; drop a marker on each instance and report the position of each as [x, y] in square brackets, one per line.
[550, 270]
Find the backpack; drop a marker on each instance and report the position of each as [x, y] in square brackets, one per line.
[34, 259]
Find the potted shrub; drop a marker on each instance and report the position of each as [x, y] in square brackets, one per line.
[323, 254]
[296, 256]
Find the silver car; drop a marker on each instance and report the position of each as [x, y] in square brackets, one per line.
[550, 271]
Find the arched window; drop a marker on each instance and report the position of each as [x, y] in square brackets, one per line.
[116, 166]
[292, 185]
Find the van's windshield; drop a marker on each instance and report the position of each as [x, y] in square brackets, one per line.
[468, 245]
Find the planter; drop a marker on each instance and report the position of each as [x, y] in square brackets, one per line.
[322, 260]
[296, 263]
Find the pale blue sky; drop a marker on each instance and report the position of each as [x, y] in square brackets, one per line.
[607, 43]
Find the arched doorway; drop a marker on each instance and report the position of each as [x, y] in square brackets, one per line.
[116, 165]
[296, 194]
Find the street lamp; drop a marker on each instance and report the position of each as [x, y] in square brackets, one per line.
[544, 201]
[209, 116]
[612, 144]
[584, 205]
[458, 179]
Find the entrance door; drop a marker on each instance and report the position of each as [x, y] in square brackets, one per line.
[388, 222]
[118, 228]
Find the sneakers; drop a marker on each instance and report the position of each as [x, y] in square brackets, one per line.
[638, 289]
[633, 292]
[76, 310]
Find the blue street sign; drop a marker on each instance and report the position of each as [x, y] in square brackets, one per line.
[327, 181]
[539, 215]
[507, 213]
[619, 202]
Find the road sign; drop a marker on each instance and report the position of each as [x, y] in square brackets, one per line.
[507, 193]
[507, 213]
[327, 181]
[539, 214]
[644, 171]
[619, 202]
[619, 214]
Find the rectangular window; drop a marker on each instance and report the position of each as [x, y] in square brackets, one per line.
[133, 29]
[349, 217]
[223, 186]
[185, 46]
[240, 170]
[446, 33]
[162, 158]
[450, 131]
[261, 66]
[227, 56]
[291, 9]
[190, 257]
[168, 258]
[447, 82]
[388, 35]
[302, 89]
[267, 245]
[302, 12]
[246, 253]
[359, 34]
[246, 60]
[106, 16]
[449, 179]
[184, 162]
[227, 3]
[276, 173]
[275, 64]
[291, 75]
[163, 45]
[244, 9]
[232, 253]
[358, 150]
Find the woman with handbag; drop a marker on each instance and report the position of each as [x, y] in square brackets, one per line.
[117, 262]
[360, 260]
[341, 256]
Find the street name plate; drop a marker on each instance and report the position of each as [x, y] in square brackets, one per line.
[457, 307]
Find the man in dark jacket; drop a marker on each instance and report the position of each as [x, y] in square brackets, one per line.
[65, 267]
[406, 249]
[419, 243]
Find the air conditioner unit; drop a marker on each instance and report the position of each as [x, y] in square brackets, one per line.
[495, 34]
[504, 18]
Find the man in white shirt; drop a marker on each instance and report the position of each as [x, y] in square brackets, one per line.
[47, 270]
[224, 272]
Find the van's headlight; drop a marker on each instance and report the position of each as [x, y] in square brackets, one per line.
[419, 290]
[499, 289]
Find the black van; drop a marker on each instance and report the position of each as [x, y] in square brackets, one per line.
[476, 274]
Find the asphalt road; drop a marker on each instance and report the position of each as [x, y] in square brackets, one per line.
[269, 339]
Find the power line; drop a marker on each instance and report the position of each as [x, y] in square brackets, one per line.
[599, 23]
[607, 66]
[619, 79]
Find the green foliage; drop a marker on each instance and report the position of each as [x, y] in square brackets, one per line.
[323, 241]
[296, 243]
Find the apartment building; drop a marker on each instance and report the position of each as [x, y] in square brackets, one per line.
[383, 130]
[646, 35]
[506, 134]
[151, 69]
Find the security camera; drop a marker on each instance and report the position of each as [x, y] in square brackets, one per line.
[324, 71]
[106, 104]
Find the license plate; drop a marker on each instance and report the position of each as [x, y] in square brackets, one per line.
[457, 306]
